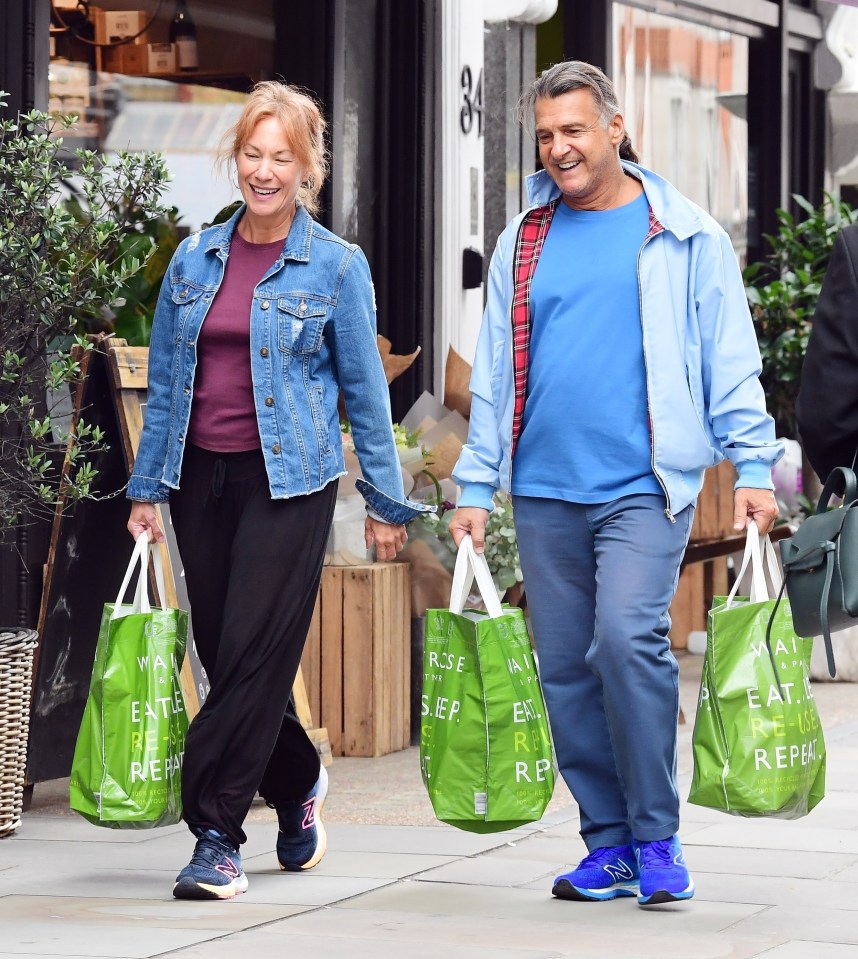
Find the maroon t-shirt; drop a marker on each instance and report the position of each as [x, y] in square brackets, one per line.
[223, 415]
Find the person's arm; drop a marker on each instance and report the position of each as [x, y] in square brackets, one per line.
[360, 374]
[827, 405]
[731, 369]
[145, 484]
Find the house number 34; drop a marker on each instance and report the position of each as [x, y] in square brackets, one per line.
[472, 101]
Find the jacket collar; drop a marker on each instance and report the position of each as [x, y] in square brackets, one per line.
[669, 206]
[296, 246]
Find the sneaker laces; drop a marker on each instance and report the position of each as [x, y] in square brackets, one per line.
[209, 851]
[599, 856]
[658, 853]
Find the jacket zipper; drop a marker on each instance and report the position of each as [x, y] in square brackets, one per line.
[668, 512]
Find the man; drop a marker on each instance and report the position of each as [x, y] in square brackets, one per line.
[616, 361]
[827, 405]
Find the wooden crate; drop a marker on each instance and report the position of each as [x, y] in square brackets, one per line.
[713, 517]
[357, 661]
[698, 583]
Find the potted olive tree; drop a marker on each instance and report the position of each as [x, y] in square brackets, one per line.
[72, 234]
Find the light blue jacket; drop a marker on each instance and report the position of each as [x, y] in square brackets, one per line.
[312, 333]
[700, 352]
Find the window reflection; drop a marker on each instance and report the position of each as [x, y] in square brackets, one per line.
[682, 88]
[184, 121]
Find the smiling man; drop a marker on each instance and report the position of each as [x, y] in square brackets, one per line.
[616, 362]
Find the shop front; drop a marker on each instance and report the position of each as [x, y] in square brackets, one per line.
[721, 98]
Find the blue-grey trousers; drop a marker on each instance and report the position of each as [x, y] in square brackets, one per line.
[599, 580]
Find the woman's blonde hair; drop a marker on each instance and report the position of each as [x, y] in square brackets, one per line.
[303, 125]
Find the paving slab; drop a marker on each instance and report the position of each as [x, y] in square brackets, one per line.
[794, 893]
[437, 840]
[776, 834]
[367, 865]
[491, 870]
[526, 905]
[276, 944]
[166, 913]
[588, 932]
[732, 861]
[805, 949]
[93, 941]
[808, 923]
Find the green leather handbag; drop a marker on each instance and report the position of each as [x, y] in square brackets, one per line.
[821, 564]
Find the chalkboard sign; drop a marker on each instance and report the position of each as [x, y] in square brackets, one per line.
[89, 551]
[88, 554]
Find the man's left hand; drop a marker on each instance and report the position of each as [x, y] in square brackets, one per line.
[758, 505]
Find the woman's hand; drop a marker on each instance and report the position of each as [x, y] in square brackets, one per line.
[144, 519]
[388, 539]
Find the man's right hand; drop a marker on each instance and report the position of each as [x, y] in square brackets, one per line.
[144, 519]
[470, 520]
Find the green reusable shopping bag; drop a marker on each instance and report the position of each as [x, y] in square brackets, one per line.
[485, 746]
[758, 745]
[126, 771]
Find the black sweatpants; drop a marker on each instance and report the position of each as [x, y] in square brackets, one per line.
[252, 567]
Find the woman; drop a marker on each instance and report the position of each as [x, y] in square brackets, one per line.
[242, 437]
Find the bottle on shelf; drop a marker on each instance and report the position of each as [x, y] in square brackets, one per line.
[183, 33]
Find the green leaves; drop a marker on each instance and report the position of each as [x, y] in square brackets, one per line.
[782, 294]
[501, 547]
[72, 235]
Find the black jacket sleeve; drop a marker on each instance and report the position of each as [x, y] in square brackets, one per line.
[827, 405]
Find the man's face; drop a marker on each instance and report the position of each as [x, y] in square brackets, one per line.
[576, 148]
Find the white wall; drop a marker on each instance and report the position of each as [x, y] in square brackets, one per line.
[459, 161]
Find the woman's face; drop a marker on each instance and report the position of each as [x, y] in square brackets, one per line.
[269, 174]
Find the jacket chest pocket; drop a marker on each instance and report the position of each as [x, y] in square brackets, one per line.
[185, 296]
[300, 325]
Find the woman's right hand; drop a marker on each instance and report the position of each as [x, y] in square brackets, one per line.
[470, 520]
[144, 519]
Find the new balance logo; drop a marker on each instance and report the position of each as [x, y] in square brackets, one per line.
[619, 870]
[309, 818]
[228, 868]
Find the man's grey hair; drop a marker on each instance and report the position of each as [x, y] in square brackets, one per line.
[564, 78]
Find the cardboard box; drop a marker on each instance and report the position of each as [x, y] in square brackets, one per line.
[66, 106]
[140, 59]
[69, 81]
[112, 25]
[357, 661]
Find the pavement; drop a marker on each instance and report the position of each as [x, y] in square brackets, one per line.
[397, 883]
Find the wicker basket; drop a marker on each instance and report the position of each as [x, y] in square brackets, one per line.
[16, 668]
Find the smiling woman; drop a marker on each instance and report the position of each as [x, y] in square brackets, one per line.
[242, 437]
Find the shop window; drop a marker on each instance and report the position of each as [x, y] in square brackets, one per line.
[115, 68]
[683, 90]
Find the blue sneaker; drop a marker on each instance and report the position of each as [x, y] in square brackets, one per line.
[214, 871]
[301, 841]
[605, 873]
[664, 875]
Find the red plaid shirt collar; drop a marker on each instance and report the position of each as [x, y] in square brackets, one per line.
[528, 245]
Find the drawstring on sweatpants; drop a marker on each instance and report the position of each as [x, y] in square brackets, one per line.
[216, 486]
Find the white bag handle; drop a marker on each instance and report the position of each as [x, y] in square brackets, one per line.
[472, 565]
[140, 556]
[759, 592]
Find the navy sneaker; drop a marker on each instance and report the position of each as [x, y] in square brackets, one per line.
[214, 871]
[605, 873]
[664, 875]
[301, 841]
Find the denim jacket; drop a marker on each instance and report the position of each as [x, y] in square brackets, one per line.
[312, 334]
